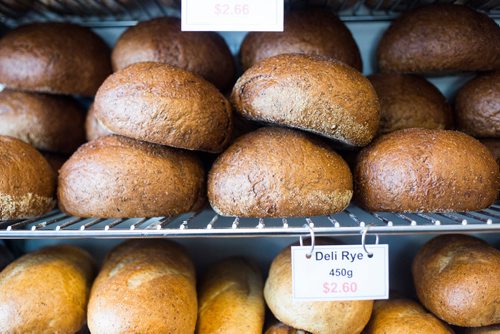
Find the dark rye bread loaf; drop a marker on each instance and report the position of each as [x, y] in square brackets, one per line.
[440, 38]
[276, 172]
[165, 105]
[312, 32]
[93, 127]
[456, 278]
[145, 286]
[403, 316]
[421, 170]
[161, 40]
[46, 291]
[310, 93]
[116, 176]
[477, 106]
[409, 101]
[49, 123]
[27, 182]
[58, 58]
[494, 146]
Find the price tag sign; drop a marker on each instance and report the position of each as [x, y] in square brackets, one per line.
[232, 15]
[340, 272]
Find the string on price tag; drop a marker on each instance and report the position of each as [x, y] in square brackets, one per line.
[232, 15]
[340, 272]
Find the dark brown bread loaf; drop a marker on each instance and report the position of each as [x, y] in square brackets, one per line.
[56, 161]
[311, 93]
[165, 105]
[145, 286]
[46, 291]
[494, 146]
[325, 317]
[421, 170]
[49, 123]
[161, 40]
[93, 127]
[456, 278]
[59, 58]
[477, 106]
[312, 32]
[27, 182]
[440, 38]
[116, 176]
[230, 299]
[275, 172]
[403, 316]
[409, 101]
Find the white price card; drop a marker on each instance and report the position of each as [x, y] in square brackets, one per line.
[340, 272]
[232, 15]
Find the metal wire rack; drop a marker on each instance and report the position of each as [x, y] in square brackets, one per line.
[122, 13]
[207, 223]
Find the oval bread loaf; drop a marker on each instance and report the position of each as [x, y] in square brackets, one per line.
[144, 286]
[276, 172]
[456, 278]
[314, 94]
[116, 176]
[165, 105]
[46, 291]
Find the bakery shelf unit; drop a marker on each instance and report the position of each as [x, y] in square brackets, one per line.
[207, 223]
[122, 13]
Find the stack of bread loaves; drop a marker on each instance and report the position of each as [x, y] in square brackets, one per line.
[300, 79]
[431, 169]
[161, 103]
[37, 67]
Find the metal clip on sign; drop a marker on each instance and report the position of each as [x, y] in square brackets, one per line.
[310, 226]
[364, 233]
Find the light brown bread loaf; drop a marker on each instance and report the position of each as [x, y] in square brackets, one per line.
[27, 182]
[440, 38]
[116, 176]
[315, 94]
[161, 40]
[46, 291]
[421, 170]
[58, 58]
[456, 278]
[49, 123]
[165, 105]
[409, 101]
[403, 316]
[338, 317]
[230, 299]
[477, 106]
[145, 286]
[312, 32]
[276, 172]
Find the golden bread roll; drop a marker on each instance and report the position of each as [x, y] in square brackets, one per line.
[46, 291]
[456, 278]
[230, 299]
[144, 286]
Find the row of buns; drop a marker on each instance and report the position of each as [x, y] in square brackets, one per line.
[149, 286]
[159, 108]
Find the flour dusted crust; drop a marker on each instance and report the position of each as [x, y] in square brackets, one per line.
[27, 182]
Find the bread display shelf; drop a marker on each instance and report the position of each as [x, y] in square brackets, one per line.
[121, 13]
[207, 223]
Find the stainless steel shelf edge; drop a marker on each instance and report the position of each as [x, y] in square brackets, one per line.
[207, 224]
